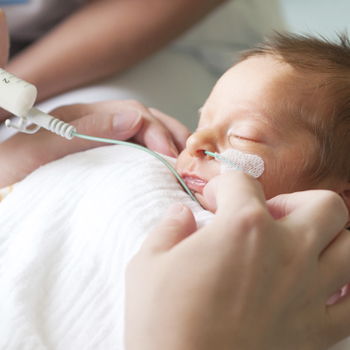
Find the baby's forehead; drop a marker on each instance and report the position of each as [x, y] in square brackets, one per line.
[257, 82]
[262, 74]
[284, 92]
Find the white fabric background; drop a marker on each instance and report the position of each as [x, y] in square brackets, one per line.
[67, 233]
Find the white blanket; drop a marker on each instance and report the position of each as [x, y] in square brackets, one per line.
[67, 233]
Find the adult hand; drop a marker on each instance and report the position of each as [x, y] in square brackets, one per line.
[127, 119]
[245, 280]
[120, 120]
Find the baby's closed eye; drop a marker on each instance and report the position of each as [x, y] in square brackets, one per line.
[245, 134]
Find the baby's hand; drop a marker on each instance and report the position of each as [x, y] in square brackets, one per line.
[121, 120]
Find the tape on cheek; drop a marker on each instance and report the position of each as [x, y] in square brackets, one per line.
[233, 159]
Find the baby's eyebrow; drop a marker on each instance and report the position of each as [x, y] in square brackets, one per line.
[267, 120]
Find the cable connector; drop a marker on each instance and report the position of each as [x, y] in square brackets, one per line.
[41, 119]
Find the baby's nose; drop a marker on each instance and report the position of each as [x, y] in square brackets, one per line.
[199, 142]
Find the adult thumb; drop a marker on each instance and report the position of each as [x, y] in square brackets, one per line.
[177, 224]
[121, 125]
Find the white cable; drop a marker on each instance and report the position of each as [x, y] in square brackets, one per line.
[51, 123]
[46, 121]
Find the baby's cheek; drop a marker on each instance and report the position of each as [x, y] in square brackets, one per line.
[279, 180]
[271, 179]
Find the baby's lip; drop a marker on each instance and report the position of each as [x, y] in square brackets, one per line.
[194, 182]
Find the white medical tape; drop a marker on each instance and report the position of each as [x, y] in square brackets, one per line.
[233, 159]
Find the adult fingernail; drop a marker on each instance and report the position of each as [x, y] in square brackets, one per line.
[174, 209]
[173, 149]
[126, 120]
[335, 297]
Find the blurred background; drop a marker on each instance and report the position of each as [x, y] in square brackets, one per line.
[316, 16]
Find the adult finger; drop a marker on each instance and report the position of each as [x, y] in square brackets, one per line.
[243, 188]
[339, 319]
[118, 126]
[317, 216]
[177, 224]
[153, 133]
[179, 132]
[334, 260]
[334, 263]
[156, 137]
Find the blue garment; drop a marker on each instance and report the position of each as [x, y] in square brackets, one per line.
[29, 19]
[13, 2]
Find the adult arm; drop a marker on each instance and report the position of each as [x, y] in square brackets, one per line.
[102, 38]
[244, 281]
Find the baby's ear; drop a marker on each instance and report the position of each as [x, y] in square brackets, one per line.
[345, 194]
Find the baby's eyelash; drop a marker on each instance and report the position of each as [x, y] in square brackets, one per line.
[241, 138]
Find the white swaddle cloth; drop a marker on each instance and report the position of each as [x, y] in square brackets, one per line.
[67, 233]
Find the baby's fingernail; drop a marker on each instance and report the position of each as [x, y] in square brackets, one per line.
[174, 209]
[126, 120]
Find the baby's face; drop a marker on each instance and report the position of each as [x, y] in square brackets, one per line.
[245, 111]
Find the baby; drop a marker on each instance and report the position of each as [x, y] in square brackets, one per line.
[287, 101]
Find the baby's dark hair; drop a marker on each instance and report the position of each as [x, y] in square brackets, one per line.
[323, 66]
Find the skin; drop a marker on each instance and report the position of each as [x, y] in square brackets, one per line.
[241, 113]
[225, 287]
[119, 120]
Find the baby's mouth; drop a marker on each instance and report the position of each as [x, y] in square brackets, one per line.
[194, 183]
